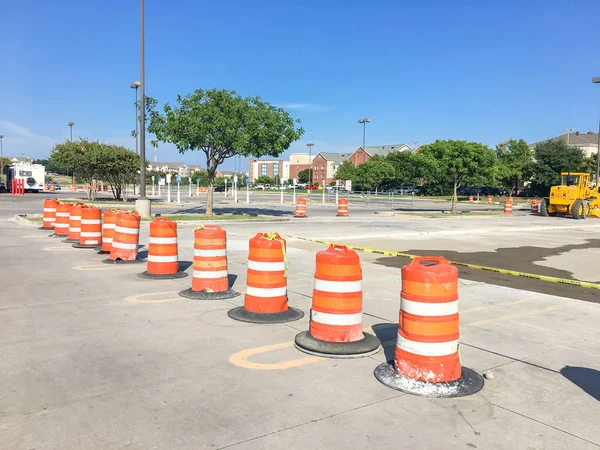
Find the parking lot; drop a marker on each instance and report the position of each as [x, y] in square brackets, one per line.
[96, 357]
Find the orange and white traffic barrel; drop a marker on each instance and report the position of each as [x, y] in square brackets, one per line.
[470, 199]
[266, 283]
[61, 225]
[74, 223]
[210, 277]
[301, 207]
[91, 228]
[342, 207]
[336, 321]
[50, 205]
[126, 239]
[109, 221]
[508, 206]
[427, 360]
[163, 259]
[535, 206]
[489, 199]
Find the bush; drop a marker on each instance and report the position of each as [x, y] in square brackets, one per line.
[435, 190]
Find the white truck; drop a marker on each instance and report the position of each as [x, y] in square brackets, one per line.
[33, 174]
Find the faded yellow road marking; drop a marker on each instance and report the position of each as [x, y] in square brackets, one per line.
[169, 296]
[87, 267]
[66, 248]
[241, 358]
[511, 317]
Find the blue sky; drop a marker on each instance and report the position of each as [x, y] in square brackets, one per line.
[482, 71]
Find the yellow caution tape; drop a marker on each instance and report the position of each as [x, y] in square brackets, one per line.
[274, 237]
[583, 284]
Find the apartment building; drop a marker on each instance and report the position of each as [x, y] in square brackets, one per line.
[270, 168]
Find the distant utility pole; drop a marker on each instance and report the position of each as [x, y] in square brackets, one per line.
[596, 80]
[364, 122]
[71, 127]
[569, 131]
[135, 85]
[310, 178]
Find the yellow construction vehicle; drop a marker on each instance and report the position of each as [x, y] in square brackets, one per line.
[574, 196]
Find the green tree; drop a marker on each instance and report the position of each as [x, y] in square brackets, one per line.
[458, 163]
[515, 163]
[223, 124]
[119, 167]
[303, 176]
[408, 168]
[346, 171]
[374, 173]
[553, 157]
[264, 180]
[203, 175]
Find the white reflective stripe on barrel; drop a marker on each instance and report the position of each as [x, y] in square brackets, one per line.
[162, 259]
[266, 266]
[90, 221]
[107, 240]
[210, 253]
[427, 348]
[96, 241]
[336, 319]
[125, 230]
[62, 214]
[210, 273]
[108, 226]
[74, 230]
[49, 209]
[338, 286]
[75, 218]
[162, 240]
[267, 293]
[124, 246]
[429, 309]
[90, 234]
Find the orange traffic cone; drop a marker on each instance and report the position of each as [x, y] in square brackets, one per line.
[266, 283]
[301, 208]
[126, 239]
[61, 225]
[342, 207]
[163, 262]
[427, 360]
[91, 228]
[50, 205]
[74, 223]
[108, 230]
[336, 326]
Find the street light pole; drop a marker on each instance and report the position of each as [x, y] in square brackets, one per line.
[596, 80]
[143, 203]
[364, 122]
[569, 131]
[415, 144]
[135, 85]
[71, 127]
[310, 178]
[1, 159]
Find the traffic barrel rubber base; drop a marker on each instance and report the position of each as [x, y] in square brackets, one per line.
[243, 315]
[54, 235]
[367, 346]
[46, 228]
[164, 276]
[469, 383]
[92, 246]
[71, 241]
[100, 251]
[203, 295]
[300, 217]
[123, 262]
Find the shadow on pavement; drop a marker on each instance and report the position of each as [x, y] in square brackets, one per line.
[387, 333]
[184, 265]
[232, 279]
[587, 379]
[250, 211]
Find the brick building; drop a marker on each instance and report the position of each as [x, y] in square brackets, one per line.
[361, 155]
[277, 169]
[298, 162]
[325, 165]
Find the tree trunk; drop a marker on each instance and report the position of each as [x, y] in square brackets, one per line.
[453, 209]
[209, 197]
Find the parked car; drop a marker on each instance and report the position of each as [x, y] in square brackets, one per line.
[312, 187]
[2, 187]
[526, 192]
[53, 183]
[219, 188]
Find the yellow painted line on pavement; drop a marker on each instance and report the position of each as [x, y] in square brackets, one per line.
[241, 358]
[583, 284]
[481, 323]
[90, 267]
[164, 297]
[66, 248]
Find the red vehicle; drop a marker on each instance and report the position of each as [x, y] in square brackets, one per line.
[312, 187]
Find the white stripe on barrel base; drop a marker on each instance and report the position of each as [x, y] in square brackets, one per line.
[62, 225]
[210, 253]
[94, 242]
[428, 309]
[209, 274]
[162, 240]
[109, 226]
[266, 266]
[336, 319]
[341, 287]
[49, 209]
[90, 234]
[90, 221]
[427, 348]
[76, 218]
[50, 219]
[162, 259]
[107, 240]
[265, 292]
[74, 230]
[125, 230]
[62, 214]
[124, 246]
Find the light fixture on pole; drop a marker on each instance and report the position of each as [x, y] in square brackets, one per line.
[596, 80]
[310, 178]
[364, 122]
[71, 127]
[135, 85]
[569, 131]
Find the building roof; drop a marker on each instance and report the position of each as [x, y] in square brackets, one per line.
[384, 150]
[577, 139]
[337, 158]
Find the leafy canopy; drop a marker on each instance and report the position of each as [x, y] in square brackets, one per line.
[515, 163]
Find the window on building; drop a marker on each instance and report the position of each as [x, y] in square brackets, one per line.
[263, 170]
[322, 176]
[322, 167]
[275, 170]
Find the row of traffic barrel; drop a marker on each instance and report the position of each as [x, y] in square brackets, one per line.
[301, 208]
[426, 360]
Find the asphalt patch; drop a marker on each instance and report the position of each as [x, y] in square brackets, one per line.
[519, 259]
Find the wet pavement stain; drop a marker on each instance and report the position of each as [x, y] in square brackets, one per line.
[520, 259]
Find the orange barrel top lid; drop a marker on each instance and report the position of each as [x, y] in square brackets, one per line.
[267, 247]
[436, 282]
[338, 263]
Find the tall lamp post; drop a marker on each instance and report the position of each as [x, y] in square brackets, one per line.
[142, 203]
[135, 85]
[310, 178]
[1, 159]
[364, 122]
[415, 144]
[71, 127]
[569, 131]
[596, 80]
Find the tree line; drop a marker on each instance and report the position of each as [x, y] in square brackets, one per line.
[443, 167]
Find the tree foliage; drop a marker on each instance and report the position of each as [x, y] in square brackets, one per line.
[553, 157]
[119, 167]
[458, 163]
[264, 180]
[304, 176]
[515, 163]
[408, 167]
[222, 124]
[374, 172]
[346, 171]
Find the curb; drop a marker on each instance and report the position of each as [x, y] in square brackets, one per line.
[18, 218]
